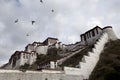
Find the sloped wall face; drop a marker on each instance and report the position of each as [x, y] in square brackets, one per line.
[17, 64]
[42, 49]
[9, 66]
[32, 75]
[111, 34]
[30, 48]
[89, 62]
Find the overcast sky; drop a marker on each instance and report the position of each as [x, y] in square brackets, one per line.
[69, 19]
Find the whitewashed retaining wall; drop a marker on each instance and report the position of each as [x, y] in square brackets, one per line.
[89, 62]
[36, 75]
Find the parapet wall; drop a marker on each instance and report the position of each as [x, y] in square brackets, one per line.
[110, 32]
[35, 75]
[89, 61]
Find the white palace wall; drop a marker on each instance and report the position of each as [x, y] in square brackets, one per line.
[111, 34]
[88, 61]
[35, 75]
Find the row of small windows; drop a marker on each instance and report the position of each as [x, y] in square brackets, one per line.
[26, 56]
[88, 35]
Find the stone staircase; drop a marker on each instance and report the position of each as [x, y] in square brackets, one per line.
[89, 61]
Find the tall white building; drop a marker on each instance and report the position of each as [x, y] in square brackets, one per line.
[37, 47]
[20, 58]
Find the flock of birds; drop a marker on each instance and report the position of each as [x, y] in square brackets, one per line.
[33, 21]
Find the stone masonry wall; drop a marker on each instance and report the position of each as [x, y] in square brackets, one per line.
[88, 61]
[35, 75]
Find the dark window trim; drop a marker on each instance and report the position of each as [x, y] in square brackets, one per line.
[93, 33]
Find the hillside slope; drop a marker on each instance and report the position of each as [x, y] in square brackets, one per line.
[75, 59]
[108, 67]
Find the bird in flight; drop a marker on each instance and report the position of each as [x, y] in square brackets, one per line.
[16, 20]
[27, 35]
[52, 10]
[33, 22]
[41, 1]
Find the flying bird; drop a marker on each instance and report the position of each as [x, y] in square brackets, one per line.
[52, 10]
[16, 20]
[33, 22]
[27, 35]
[41, 1]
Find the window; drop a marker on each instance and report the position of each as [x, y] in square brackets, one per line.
[93, 33]
[97, 30]
[89, 35]
[24, 56]
[46, 79]
[84, 38]
[81, 38]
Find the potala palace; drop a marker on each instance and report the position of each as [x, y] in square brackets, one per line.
[56, 64]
